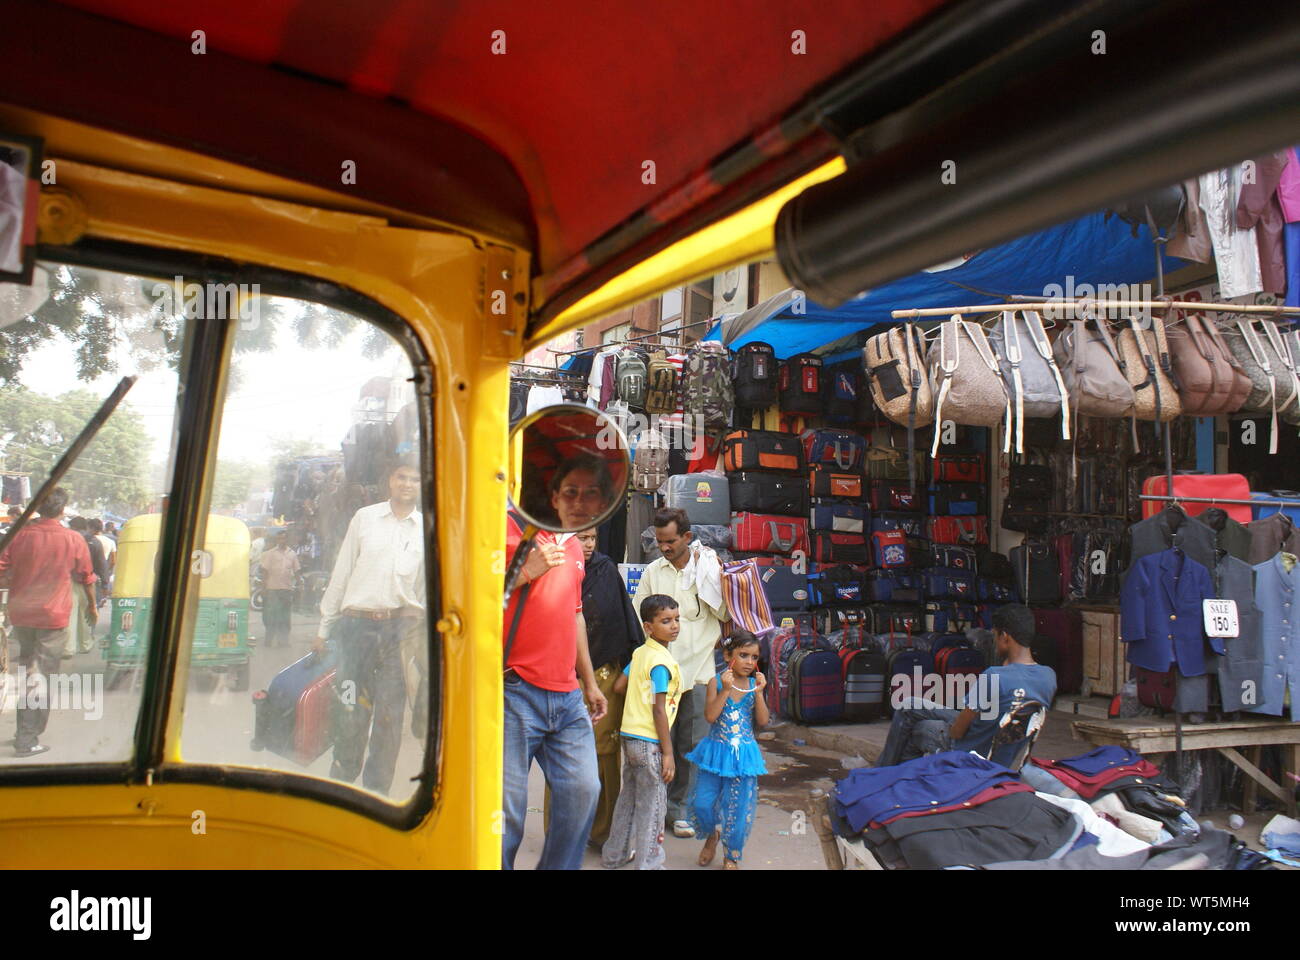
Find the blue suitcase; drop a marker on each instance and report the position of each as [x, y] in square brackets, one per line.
[816, 687]
[1289, 496]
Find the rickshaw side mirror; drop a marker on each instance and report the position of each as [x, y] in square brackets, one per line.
[569, 470]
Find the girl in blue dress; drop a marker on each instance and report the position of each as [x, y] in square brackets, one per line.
[728, 760]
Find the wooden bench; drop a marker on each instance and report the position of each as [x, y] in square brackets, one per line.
[1150, 735]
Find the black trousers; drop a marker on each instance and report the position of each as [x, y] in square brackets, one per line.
[372, 701]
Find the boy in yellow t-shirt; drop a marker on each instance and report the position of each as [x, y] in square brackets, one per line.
[654, 686]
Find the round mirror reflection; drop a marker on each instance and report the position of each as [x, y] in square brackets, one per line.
[569, 468]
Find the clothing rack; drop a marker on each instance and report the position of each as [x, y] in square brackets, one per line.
[1212, 500]
[675, 331]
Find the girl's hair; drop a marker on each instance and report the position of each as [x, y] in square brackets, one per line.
[739, 638]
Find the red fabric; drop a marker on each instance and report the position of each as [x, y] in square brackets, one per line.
[1002, 788]
[736, 66]
[545, 649]
[39, 567]
[1088, 787]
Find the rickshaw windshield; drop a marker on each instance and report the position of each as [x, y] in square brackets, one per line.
[308, 584]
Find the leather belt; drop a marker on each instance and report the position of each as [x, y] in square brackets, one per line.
[401, 613]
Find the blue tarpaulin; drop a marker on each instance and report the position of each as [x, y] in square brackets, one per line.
[1089, 250]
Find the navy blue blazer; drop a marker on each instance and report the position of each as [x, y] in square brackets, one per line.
[1161, 617]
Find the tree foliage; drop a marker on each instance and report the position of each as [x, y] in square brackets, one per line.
[111, 474]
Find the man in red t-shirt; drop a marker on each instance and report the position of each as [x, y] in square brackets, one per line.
[549, 674]
[38, 568]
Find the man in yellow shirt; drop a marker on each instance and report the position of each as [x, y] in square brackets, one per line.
[691, 574]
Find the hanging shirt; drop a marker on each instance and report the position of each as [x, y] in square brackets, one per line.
[1275, 595]
[380, 566]
[1288, 187]
[1236, 252]
[540, 397]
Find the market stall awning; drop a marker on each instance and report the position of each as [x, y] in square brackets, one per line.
[1058, 261]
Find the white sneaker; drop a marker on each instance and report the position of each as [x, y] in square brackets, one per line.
[682, 828]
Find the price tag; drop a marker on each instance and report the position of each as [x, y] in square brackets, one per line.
[1221, 618]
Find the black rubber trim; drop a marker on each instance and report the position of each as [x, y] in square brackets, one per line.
[180, 530]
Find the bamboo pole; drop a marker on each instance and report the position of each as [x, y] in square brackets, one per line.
[1093, 303]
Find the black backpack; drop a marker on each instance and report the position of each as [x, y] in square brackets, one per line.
[756, 376]
[801, 385]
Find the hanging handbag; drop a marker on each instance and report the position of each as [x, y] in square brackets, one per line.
[1289, 412]
[1093, 372]
[899, 387]
[967, 379]
[1029, 372]
[1272, 388]
[1149, 369]
[1206, 379]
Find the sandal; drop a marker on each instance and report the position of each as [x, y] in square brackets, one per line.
[710, 850]
[730, 865]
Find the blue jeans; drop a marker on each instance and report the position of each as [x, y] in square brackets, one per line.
[554, 728]
[916, 730]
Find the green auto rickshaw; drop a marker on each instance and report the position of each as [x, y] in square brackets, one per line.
[221, 629]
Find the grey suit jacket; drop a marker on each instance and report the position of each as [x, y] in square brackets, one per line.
[1155, 534]
[1242, 660]
[1229, 536]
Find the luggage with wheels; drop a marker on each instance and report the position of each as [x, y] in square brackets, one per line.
[1038, 574]
[816, 687]
[705, 499]
[864, 683]
[291, 717]
[1221, 486]
[1156, 688]
[1065, 629]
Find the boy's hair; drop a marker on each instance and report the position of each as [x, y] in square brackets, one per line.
[1017, 620]
[653, 604]
[739, 638]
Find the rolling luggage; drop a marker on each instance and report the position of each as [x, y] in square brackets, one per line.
[768, 534]
[1038, 575]
[1156, 688]
[1065, 628]
[291, 717]
[906, 669]
[762, 450]
[1221, 486]
[816, 687]
[864, 683]
[768, 493]
[705, 499]
[837, 516]
[779, 647]
[785, 589]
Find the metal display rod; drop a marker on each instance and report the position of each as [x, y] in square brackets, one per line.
[1198, 305]
[1244, 503]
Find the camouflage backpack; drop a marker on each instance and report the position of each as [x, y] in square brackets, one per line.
[706, 384]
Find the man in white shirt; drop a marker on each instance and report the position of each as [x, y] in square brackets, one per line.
[374, 602]
[110, 556]
[691, 575]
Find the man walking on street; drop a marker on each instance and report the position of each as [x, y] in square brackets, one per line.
[39, 568]
[548, 674]
[279, 567]
[691, 574]
[374, 594]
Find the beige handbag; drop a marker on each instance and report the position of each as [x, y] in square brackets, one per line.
[967, 379]
[1148, 368]
[1090, 363]
[1273, 388]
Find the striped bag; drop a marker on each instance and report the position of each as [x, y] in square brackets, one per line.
[742, 589]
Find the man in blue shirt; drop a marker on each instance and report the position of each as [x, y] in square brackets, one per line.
[921, 728]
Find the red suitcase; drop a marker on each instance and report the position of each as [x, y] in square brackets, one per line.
[311, 728]
[1221, 486]
[1066, 628]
